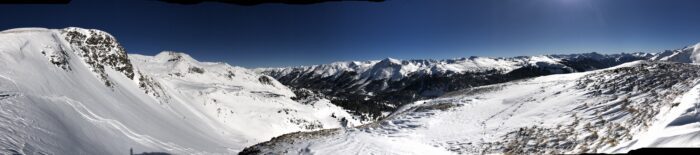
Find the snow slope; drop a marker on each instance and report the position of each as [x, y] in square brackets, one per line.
[613, 110]
[76, 91]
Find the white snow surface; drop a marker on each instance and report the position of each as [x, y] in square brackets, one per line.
[47, 109]
[485, 117]
[477, 119]
[52, 102]
[677, 127]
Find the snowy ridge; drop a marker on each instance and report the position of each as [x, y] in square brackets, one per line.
[395, 69]
[689, 54]
[76, 91]
[639, 104]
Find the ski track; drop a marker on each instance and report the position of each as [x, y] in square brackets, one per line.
[12, 81]
[116, 125]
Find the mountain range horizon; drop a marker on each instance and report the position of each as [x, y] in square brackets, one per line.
[80, 86]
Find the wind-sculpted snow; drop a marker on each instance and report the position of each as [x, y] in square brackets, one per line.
[76, 91]
[611, 110]
[621, 104]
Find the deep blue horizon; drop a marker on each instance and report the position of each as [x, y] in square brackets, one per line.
[276, 35]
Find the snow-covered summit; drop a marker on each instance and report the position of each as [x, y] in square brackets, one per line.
[172, 56]
[178, 65]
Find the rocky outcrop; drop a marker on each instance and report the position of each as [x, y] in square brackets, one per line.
[99, 49]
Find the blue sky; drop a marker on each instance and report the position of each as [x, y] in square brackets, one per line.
[272, 35]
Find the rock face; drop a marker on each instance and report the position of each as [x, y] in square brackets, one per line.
[371, 88]
[99, 50]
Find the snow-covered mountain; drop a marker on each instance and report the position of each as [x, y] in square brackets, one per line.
[76, 91]
[689, 54]
[637, 104]
[394, 69]
[376, 87]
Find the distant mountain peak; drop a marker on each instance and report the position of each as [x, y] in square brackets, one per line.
[172, 56]
[391, 60]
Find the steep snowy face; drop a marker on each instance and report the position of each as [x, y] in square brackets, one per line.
[76, 91]
[388, 68]
[374, 88]
[639, 104]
